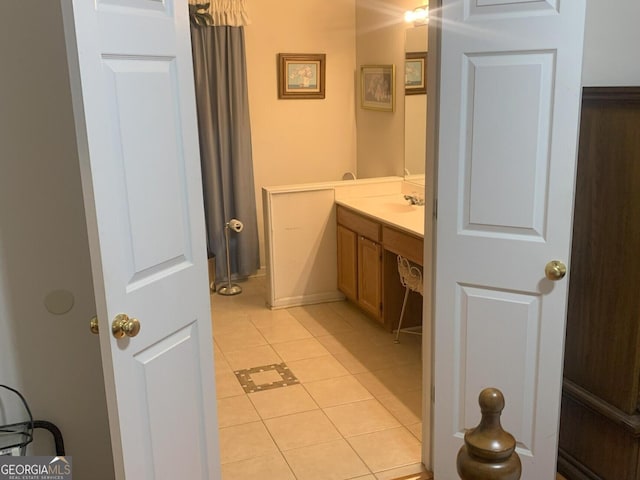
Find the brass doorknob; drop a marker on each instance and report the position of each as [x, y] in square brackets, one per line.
[124, 325]
[555, 270]
[93, 326]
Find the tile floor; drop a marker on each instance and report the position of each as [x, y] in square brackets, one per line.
[334, 399]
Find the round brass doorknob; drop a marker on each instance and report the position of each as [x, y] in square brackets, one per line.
[93, 326]
[555, 270]
[124, 325]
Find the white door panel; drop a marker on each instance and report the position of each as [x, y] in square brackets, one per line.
[132, 84]
[509, 111]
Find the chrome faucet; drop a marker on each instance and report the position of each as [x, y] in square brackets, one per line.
[414, 199]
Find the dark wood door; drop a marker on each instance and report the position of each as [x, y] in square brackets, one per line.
[600, 421]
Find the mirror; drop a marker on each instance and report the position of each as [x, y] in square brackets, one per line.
[383, 38]
[415, 109]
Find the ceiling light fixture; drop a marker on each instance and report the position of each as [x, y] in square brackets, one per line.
[417, 16]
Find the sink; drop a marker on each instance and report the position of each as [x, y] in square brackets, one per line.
[393, 209]
[399, 207]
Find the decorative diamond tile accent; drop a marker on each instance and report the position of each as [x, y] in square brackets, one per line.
[250, 386]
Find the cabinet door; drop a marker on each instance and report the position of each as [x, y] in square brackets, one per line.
[347, 263]
[370, 277]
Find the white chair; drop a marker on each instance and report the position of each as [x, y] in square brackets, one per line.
[411, 279]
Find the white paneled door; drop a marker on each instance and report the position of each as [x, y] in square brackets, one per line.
[509, 110]
[134, 103]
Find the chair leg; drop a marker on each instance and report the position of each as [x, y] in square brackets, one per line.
[404, 304]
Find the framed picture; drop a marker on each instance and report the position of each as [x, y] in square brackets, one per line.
[415, 73]
[301, 75]
[377, 87]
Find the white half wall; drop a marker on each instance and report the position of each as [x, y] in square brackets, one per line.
[301, 237]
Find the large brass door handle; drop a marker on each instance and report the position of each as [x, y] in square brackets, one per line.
[124, 325]
[555, 270]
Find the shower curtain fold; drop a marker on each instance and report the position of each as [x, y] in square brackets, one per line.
[225, 146]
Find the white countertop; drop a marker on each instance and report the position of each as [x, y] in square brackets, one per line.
[392, 209]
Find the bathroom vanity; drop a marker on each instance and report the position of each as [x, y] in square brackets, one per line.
[371, 233]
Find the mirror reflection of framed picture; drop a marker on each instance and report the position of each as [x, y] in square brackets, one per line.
[377, 87]
[415, 73]
[301, 75]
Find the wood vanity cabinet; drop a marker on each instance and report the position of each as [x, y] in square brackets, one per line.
[360, 261]
[368, 267]
[600, 416]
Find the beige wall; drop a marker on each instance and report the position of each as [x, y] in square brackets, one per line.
[611, 43]
[300, 141]
[52, 359]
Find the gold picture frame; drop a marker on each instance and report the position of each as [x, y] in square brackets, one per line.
[301, 75]
[377, 87]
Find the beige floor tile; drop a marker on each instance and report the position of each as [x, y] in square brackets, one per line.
[394, 380]
[366, 360]
[248, 440]
[282, 401]
[226, 322]
[227, 385]
[282, 330]
[252, 357]
[346, 342]
[270, 467]
[407, 407]
[374, 383]
[346, 309]
[362, 417]
[266, 377]
[378, 336]
[364, 477]
[337, 391]
[387, 449]
[247, 336]
[394, 473]
[327, 461]
[236, 411]
[216, 350]
[416, 429]
[320, 321]
[301, 430]
[318, 368]
[220, 363]
[266, 317]
[300, 349]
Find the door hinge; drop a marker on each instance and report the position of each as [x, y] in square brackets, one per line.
[435, 209]
[433, 393]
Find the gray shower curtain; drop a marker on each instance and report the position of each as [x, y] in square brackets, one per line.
[225, 145]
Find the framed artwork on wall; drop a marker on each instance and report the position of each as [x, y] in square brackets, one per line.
[301, 75]
[415, 73]
[377, 87]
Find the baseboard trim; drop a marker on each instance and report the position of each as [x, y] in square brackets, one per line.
[570, 468]
[417, 476]
[306, 300]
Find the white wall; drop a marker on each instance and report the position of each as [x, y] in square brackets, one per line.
[52, 359]
[612, 37]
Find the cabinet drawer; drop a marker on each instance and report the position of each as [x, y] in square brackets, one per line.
[359, 224]
[403, 244]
